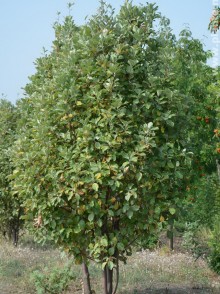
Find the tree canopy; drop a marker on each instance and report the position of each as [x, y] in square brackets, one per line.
[107, 132]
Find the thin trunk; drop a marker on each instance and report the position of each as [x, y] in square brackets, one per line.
[86, 279]
[108, 273]
[15, 237]
[110, 281]
[171, 237]
[117, 276]
[16, 229]
[105, 280]
[10, 232]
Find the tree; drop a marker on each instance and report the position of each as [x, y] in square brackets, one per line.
[214, 23]
[102, 155]
[10, 209]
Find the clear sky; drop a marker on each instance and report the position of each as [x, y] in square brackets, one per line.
[27, 26]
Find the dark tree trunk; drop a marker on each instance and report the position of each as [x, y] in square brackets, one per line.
[16, 228]
[10, 232]
[15, 237]
[171, 237]
[117, 275]
[110, 281]
[108, 273]
[105, 281]
[86, 279]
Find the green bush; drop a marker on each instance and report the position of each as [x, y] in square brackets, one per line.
[149, 243]
[196, 239]
[54, 281]
[214, 257]
[202, 202]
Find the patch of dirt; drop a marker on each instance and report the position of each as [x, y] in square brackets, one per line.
[6, 288]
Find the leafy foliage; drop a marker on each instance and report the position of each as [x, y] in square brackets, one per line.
[101, 146]
[10, 209]
[214, 257]
[203, 200]
[108, 131]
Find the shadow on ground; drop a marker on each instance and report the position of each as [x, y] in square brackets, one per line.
[173, 290]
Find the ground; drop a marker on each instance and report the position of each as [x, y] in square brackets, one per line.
[154, 272]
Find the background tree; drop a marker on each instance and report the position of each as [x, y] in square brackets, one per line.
[214, 23]
[10, 210]
[195, 83]
[102, 157]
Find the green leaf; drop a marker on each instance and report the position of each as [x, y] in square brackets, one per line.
[130, 214]
[111, 212]
[99, 222]
[179, 175]
[77, 230]
[91, 217]
[111, 251]
[135, 207]
[82, 224]
[110, 265]
[170, 164]
[172, 210]
[104, 242]
[120, 246]
[139, 176]
[95, 186]
[104, 265]
[128, 196]
[150, 125]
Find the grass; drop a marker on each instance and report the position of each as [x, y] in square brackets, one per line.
[157, 269]
[16, 265]
[145, 272]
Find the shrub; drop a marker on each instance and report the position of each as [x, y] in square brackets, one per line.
[214, 257]
[54, 281]
[196, 239]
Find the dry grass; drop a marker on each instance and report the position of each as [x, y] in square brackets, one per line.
[161, 269]
[146, 272]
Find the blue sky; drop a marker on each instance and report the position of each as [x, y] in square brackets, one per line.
[27, 26]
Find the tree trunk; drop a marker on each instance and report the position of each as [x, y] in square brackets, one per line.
[117, 275]
[16, 231]
[10, 232]
[86, 279]
[171, 237]
[109, 281]
[15, 237]
[105, 281]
